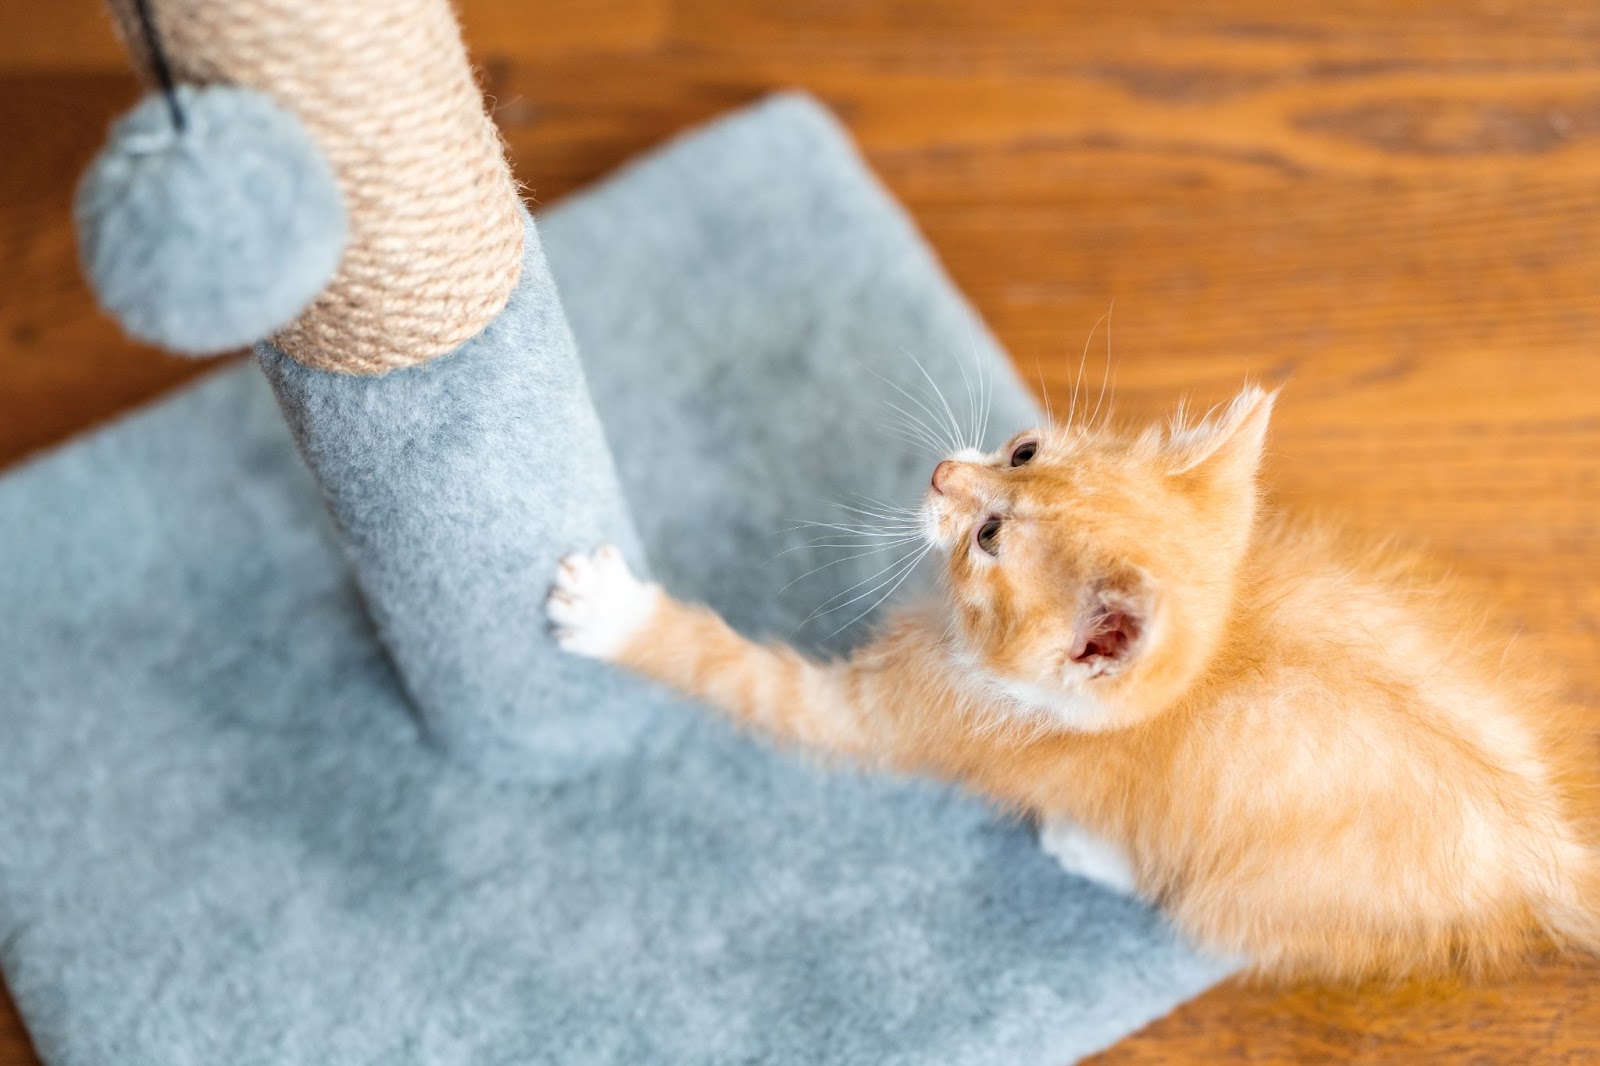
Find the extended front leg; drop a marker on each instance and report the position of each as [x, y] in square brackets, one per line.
[599, 609]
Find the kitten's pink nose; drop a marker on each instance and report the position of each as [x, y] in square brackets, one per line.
[943, 473]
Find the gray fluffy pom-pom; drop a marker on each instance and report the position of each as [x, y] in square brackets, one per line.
[209, 238]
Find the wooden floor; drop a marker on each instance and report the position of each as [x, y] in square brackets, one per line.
[1393, 205]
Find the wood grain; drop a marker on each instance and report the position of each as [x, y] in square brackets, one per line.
[1390, 205]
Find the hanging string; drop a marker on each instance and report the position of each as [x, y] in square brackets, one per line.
[158, 61]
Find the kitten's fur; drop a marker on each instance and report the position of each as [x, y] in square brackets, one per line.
[1307, 754]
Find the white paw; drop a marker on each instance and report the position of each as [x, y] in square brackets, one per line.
[1085, 855]
[597, 605]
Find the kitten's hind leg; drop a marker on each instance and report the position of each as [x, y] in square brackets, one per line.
[1085, 855]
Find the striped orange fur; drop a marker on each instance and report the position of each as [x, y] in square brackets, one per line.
[1313, 753]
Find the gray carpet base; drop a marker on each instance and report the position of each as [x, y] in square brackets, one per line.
[225, 839]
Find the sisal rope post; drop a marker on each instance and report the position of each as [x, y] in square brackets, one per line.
[384, 85]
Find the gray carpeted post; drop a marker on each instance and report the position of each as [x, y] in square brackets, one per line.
[344, 194]
[457, 485]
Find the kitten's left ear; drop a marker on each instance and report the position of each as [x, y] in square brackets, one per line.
[1112, 628]
[1227, 447]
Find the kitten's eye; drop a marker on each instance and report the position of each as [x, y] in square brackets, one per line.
[988, 535]
[1024, 452]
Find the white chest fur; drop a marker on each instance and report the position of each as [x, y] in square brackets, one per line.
[1085, 855]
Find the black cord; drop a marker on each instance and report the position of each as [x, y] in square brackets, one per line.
[158, 61]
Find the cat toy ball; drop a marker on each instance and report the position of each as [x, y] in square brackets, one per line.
[209, 220]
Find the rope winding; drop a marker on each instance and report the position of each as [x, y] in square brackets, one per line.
[385, 86]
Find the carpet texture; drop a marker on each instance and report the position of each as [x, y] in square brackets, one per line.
[223, 841]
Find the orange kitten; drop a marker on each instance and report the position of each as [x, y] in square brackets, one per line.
[1307, 755]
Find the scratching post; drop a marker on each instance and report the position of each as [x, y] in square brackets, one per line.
[433, 385]
[457, 487]
[385, 88]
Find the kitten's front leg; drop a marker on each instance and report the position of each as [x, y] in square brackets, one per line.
[600, 610]
[597, 607]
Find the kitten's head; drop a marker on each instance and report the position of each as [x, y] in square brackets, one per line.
[1089, 573]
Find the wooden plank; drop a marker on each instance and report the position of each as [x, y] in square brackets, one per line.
[63, 363]
[1389, 205]
[502, 30]
[77, 35]
[1548, 1016]
[73, 35]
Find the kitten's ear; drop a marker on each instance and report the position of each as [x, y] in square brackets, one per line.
[1226, 447]
[1112, 628]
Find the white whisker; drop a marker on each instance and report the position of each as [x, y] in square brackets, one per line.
[844, 527]
[945, 445]
[955, 428]
[832, 604]
[836, 562]
[899, 515]
[1044, 396]
[983, 407]
[846, 545]
[972, 404]
[886, 505]
[875, 604]
[918, 428]
[1083, 361]
[896, 571]
[1106, 376]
